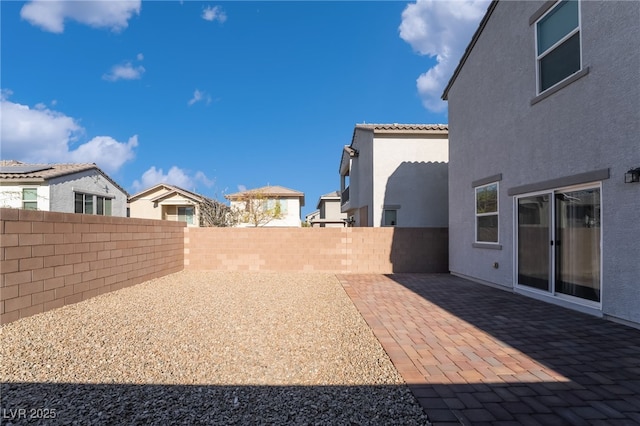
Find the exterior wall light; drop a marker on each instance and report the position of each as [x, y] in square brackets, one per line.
[632, 175]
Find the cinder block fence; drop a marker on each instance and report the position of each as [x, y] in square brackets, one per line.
[334, 250]
[49, 260]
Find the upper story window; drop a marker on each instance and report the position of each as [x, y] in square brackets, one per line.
[487, 213]
[389, 217]
[30, 198]
[558, 51]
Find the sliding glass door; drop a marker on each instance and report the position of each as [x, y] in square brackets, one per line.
[534, 234]
[577, 254]
[558, 243]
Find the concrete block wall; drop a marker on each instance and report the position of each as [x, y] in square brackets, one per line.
[333, 250]
[49, 260]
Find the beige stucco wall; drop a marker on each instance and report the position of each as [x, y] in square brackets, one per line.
[291, 217]
[411, 172]
[166, 209]
[11, 196]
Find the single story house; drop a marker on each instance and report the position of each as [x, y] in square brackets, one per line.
[67, 188]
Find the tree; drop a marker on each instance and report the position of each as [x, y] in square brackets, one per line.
[216, 214]
[258, 209]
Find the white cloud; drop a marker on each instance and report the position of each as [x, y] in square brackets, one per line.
[242, 188]
[124, 71]
[203, 179]
[440, 29]
[199, 96]
[106, 152]
[214, 13]
[140, 57]
[41, 135]
[175, 176]
[50, 15]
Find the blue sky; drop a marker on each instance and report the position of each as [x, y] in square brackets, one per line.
[220, 96]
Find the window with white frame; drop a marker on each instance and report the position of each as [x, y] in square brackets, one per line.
[487, 213]
[389, 217]
[558, 52]
[92, 204]
[30, 198]
[103, 206]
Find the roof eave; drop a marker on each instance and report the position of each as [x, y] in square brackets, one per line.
[467, 51]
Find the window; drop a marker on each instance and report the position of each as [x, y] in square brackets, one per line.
[558, 44]
[389, 217]
[84, 203]
[487, 213]
[103, 206]
[79, 201]
[185, 214]
[30, 198]
[276, 206]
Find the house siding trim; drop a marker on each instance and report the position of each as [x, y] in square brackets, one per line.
[487, 246]
[578, 179]
[561, 85]
[487, 180]
[543, 9]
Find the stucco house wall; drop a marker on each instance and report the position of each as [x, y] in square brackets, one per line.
[586, 131]
[162, 202]
[398, 167]
[330, 209]
[11, 196]
[63, 188]
[411, 174]
[57, 185]
[143, 208]
[290, 216]
[361, 179]
[167, 209]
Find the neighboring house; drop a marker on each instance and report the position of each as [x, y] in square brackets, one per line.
[544, 112]
[269, 205]
[314, 215]
[66, 188]
[396, 175]
[169, 202]
[329, 212]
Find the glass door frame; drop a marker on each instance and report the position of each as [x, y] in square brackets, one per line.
[589, 306]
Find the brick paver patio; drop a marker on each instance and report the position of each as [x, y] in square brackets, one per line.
[476, 355]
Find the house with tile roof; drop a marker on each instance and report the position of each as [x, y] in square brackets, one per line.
[396, 175]
[269, 206]
[544, 172]
[329, 214]
[68, 188]
[169, 202]
[310, 217]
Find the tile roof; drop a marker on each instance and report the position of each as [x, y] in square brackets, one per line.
[403, 127]
[267, 191]
[40, 171]
[171, 189]
[333, 194]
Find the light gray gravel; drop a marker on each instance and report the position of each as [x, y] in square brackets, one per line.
[204, 348]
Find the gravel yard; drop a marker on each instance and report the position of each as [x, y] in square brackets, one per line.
[204, 348]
